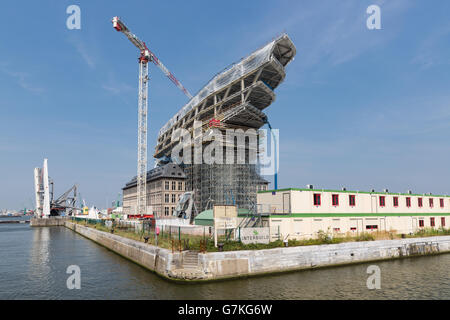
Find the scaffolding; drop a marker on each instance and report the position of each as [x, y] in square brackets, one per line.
[233, 99]
[213, 184]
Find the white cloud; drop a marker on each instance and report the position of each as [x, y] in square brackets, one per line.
[431, 52]
[85, 53]
[334, 32]
[23, 79]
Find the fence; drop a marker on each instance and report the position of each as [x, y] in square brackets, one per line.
[177, 238]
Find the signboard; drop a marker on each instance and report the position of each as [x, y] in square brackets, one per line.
[225, 223]
[255, 235]
[225, 212]
[225, 217]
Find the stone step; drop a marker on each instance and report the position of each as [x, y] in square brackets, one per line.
[190, 259]
[190, 267]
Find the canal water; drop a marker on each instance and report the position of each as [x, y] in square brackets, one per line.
[33, 264]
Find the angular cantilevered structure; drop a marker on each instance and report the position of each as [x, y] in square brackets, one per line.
[234, 99]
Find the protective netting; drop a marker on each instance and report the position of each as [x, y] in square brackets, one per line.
[221, 80]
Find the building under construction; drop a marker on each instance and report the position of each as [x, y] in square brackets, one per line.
[234, 99]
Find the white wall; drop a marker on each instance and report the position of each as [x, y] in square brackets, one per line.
[301, 201]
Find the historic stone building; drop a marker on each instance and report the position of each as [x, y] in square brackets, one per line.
[165, 185]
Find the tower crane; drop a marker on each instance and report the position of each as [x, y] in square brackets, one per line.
[145, 56]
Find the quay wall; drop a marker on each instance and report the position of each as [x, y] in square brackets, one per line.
[235, 264]
[47, 222]
[151, 257]
[255, 262]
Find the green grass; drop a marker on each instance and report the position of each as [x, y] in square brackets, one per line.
[430, 232]
[166, 240]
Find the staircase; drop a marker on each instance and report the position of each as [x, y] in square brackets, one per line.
[190, 260]
[190, 269]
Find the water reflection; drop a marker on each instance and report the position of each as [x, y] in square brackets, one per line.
[39, 266]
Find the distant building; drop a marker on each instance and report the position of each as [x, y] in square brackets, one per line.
[261, 184]
[165, 185]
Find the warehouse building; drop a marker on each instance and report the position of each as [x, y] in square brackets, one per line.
[302, 213]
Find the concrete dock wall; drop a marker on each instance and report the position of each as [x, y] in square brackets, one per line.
[232, 264]
[47, 222]
[151, 257]
[254, 262]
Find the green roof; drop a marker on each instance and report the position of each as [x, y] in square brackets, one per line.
[348, 191]
[204, 218]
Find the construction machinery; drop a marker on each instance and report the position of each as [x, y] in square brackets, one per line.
[65, 203]
[145, 56]
[46, 206]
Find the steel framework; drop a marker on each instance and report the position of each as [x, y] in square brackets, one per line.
[233, 99]
[142, 138]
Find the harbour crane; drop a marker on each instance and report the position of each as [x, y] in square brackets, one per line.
[145, 56]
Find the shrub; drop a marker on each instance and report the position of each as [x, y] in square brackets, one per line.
[364, 237]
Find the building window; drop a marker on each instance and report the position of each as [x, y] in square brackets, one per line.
[172, 210]
[335, 199]
[382, 201]
[395, 201]
[372, 227]
[166, 211]
[174, 185]
[166, 198]
[352, 200]
[441, 201]
[432, 222]
[166, 185]
[317, 199]
[421, 224]
[431, 202]
[420, 202]
[174, 198]
[443, 222]
[408, 202]
[180, 186]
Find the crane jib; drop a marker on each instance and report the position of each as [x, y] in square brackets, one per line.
[120, 26]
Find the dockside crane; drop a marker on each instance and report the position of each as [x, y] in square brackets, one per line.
[145, 56]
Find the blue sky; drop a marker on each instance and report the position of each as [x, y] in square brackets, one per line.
[359, 108]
